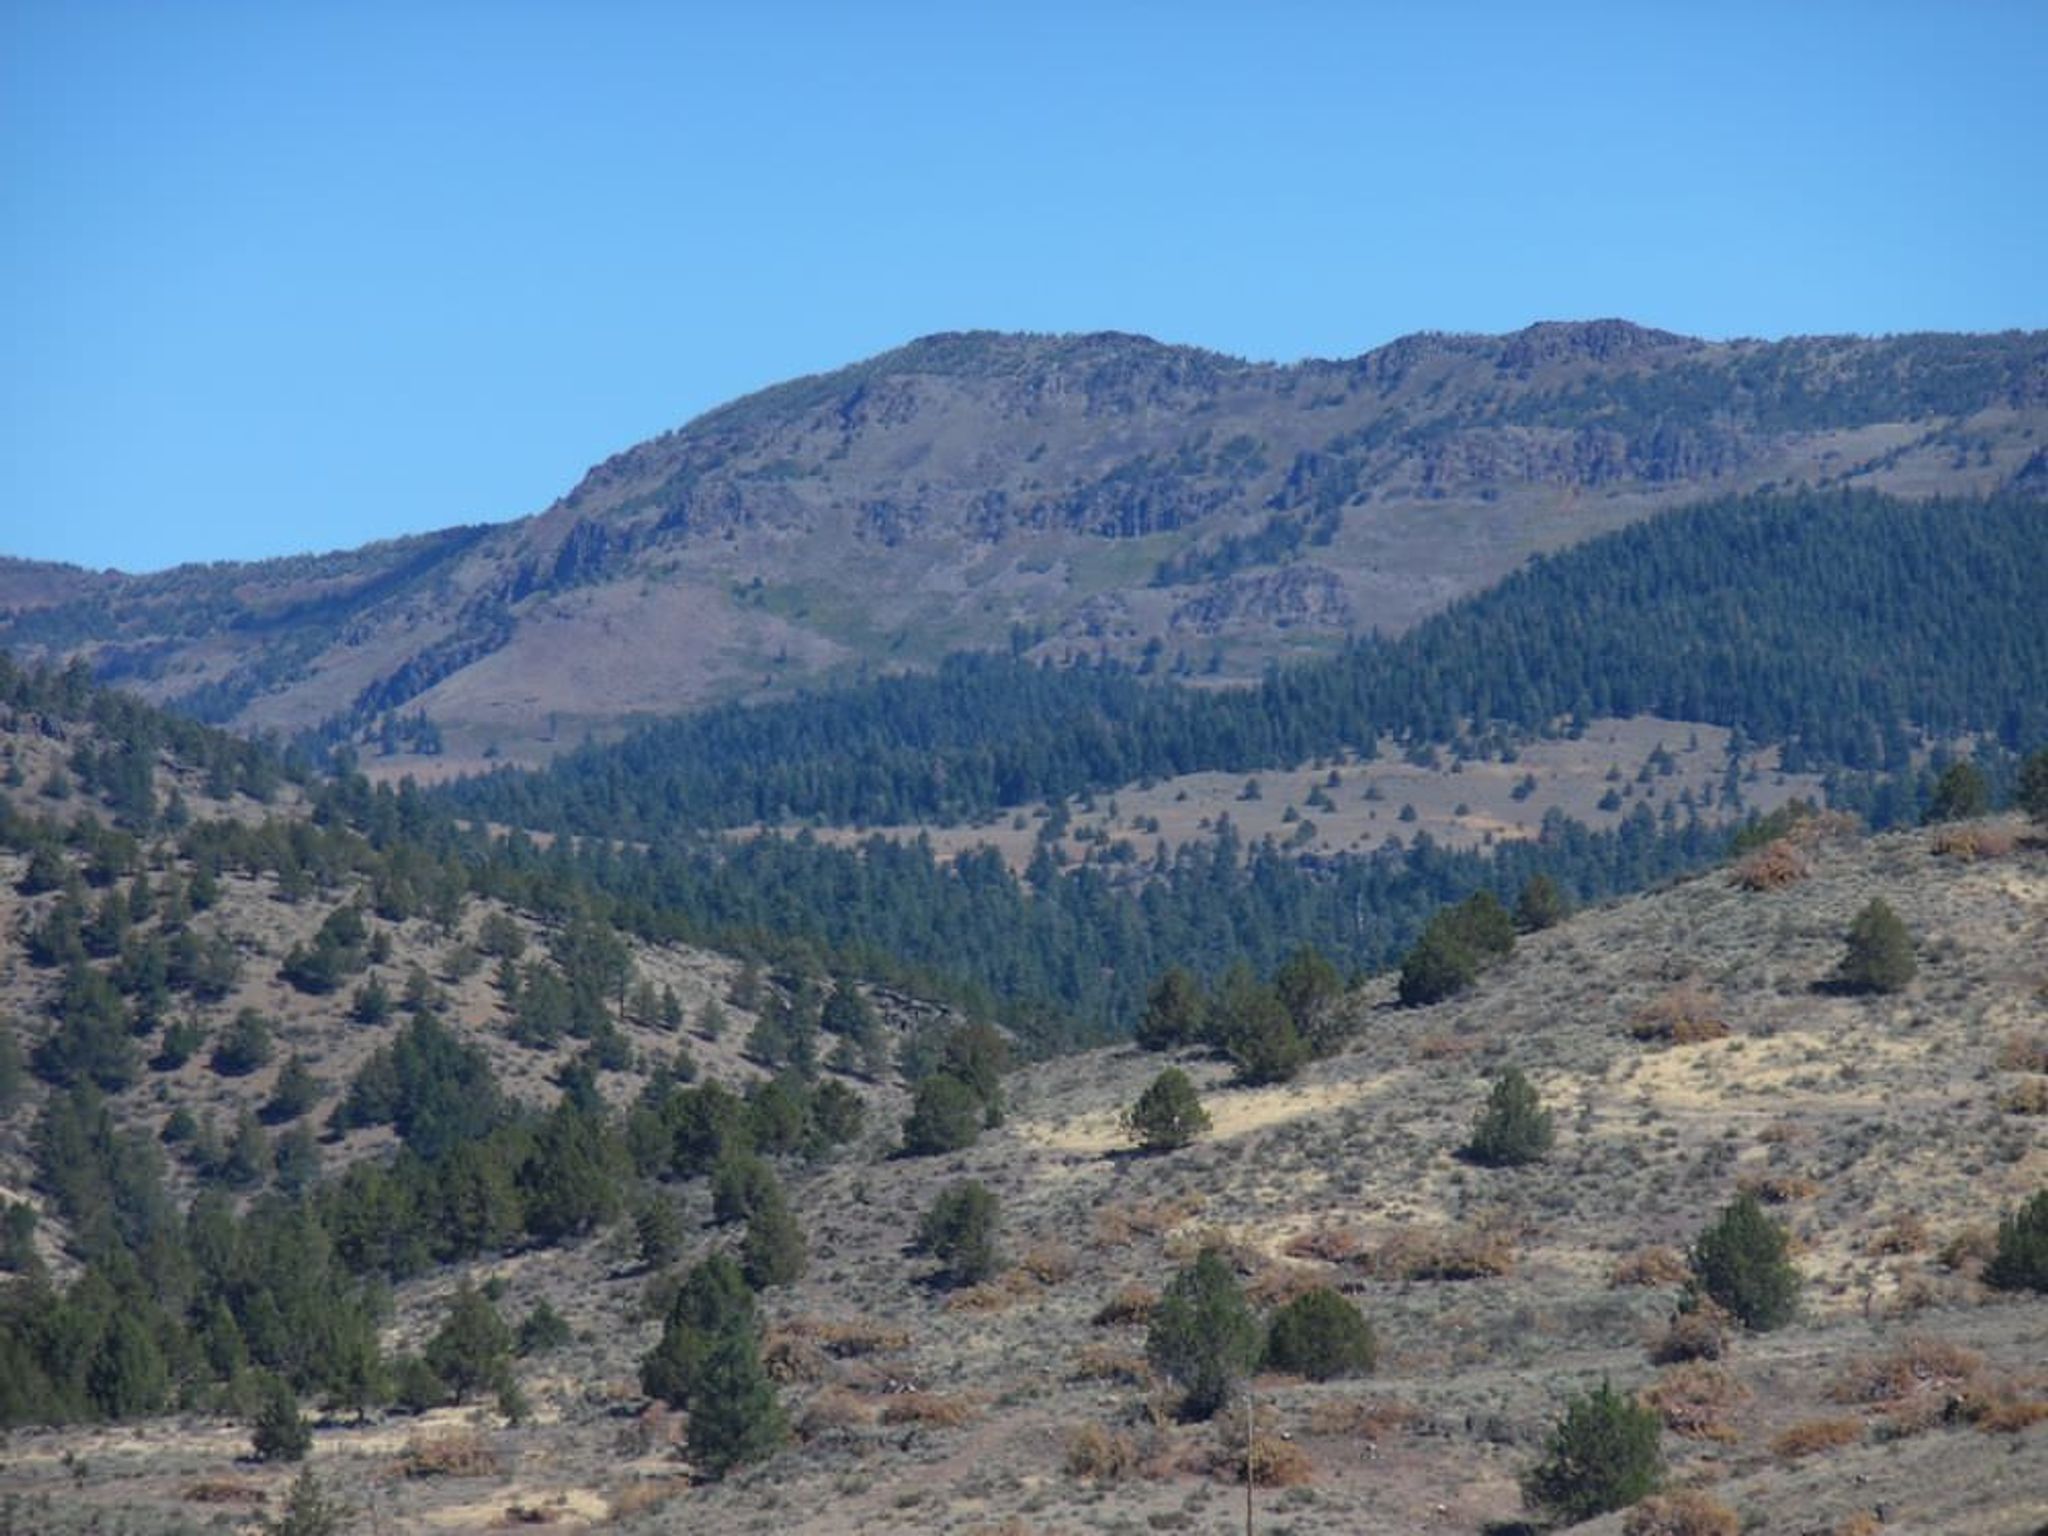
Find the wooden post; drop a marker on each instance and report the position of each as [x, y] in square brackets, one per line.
[1250, 1459]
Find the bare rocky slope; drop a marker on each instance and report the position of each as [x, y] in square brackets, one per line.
[1889, 1133]
[1061, 494]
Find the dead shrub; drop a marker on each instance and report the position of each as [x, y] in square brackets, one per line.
[1653, 1266]
[2021, 1051]
[1277, 1284]
[1104, 1362]
[1101, 1454]
[641, 1497]
[848, 1339]
[1116, 1226]
[790, 1358]
[1811, 1436]
[935, 1409]
[449, 1453]
[1694, 1399]
[1367, 1418]
[1687, 1014]
[833, 1411]
[1186, 1247]
[1784, 1133]
[2028, 1098]
[1439, 1253]
[1778, 1188]
[1920, 1370]
[1773, 867]
[1131, 1306]
[223, 1490]
[1686, 1512]
[1904, 1233]
[1970, 841]
[1048, 1263]
[1701, 1334]
[1333, 1245]
[992, 1296]
[1441, 1047]
[1970, 1249]
[2001, 1406]
[1275, 1462]
[1863, 1522]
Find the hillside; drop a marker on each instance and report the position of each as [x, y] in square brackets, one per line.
[1888, 1132]
[1059, 496]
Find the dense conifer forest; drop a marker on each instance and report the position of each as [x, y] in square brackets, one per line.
[1765, 614]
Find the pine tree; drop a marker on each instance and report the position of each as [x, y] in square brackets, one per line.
[2020, 1262]
[1879, 957]
[960, 1232]
[1602, 1455]
[945, 1116]
[280, 1432]
[1514, 1128]
[472, 1347]
[772, 1252]
[1174, 1010]
[1740, 1263]
[1321, 1335]
[1168, 1114]
[1203, 1336]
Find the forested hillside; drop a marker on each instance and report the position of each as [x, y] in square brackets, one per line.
[1768, 615]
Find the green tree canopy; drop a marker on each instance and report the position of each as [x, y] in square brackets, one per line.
[1879, 957]
[1514, 1128]
[1321, 1335]
[1168, 1114]
[960, 1232]
[1602, 1455]
[1741, 1262]
[1203, 1336]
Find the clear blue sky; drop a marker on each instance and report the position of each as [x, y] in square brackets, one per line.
[286, 276]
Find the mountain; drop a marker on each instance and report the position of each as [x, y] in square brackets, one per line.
[1050, 495]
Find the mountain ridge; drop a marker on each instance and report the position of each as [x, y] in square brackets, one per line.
[1060, 495]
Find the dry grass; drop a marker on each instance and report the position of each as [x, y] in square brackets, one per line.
[642, 1497]
[1687, 1512]
[1365, 1418]
[2000, 1405]
[1863, 1522]
[1275, 1285]
[1129, 1307]
[1654, 1266]
[791, 1358]
[937, 1410]
[1442, 1047]
[449, 1453]
[1687, 1014]
[1811, 1436]
[1100, 1454]
[1694, 1400]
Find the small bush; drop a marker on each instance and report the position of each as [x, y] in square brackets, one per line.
[936, 1409]
[1700, 1333]
[1439, 1253]
[1773, 867]
[280, 1432]
[960, 1232]
[1920, 1368]
[1653, 1266]
[1321, 1335]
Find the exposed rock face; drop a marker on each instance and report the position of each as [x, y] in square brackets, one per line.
[1063, 493]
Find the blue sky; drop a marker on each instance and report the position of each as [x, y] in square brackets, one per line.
[294, 276]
